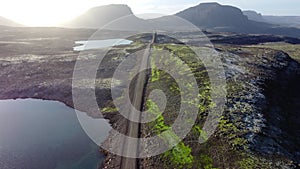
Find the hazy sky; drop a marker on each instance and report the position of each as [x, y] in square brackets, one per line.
[52, 12]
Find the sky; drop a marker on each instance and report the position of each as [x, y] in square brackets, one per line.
[53, 12]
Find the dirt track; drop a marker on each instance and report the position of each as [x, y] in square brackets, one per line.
[133, 128]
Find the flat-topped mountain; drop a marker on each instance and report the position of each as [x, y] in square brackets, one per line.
[100, 16]
[214, 15]
[225, 18]
[217, 17]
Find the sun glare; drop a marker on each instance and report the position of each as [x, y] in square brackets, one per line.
[43, 13]
[55, 12]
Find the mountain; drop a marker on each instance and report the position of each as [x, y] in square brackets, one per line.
[208, 16]
[288, 21]
[223, 18]
[291, 21]
[214, 15]
[254, 16]
[205, 15]
[7, 22]
[100, 16]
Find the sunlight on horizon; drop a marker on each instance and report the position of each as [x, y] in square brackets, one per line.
[56, 12]
[42, 13]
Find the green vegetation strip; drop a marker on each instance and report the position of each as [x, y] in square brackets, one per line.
[181, 155]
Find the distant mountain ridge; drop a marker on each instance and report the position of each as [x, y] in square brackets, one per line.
[7, 22]
[290, 21]
[254, 16]
[208, 16]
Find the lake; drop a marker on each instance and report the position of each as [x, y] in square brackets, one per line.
[38, 134]
[96, 44]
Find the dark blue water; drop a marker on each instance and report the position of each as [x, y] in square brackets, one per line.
[36, 134]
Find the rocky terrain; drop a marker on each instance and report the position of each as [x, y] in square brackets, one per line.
[253, 132]
[258, 129]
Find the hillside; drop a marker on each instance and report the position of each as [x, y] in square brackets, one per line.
[207, 16]
[212, 15]
[223, 18]
[98, 17]
[254, 16]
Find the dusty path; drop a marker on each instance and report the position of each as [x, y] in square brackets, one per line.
[132, 127]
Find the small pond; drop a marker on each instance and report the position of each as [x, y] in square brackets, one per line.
[96, 44]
